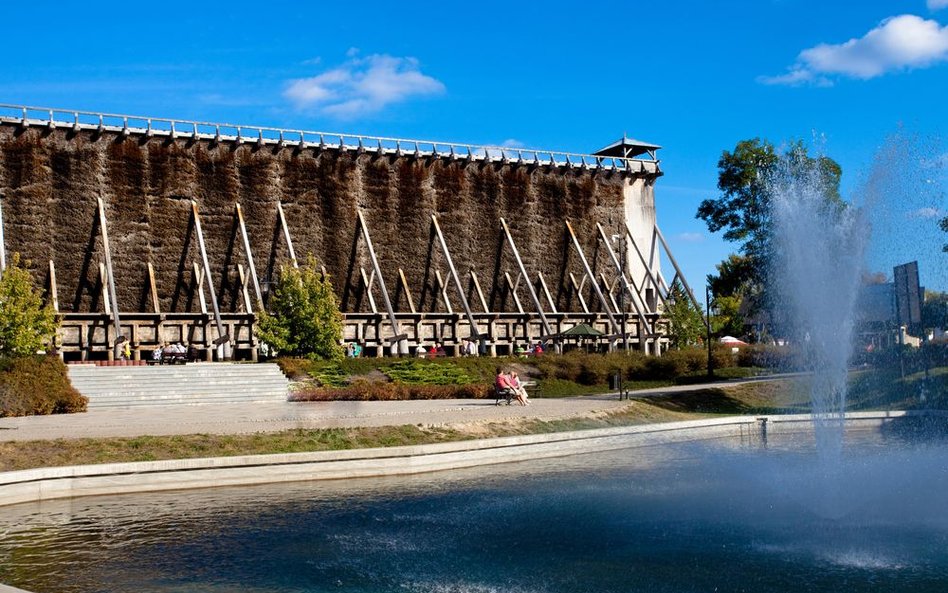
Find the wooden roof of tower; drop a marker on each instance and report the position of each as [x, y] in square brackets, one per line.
[628, 148]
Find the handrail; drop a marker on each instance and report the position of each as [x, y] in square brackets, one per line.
[266, 135]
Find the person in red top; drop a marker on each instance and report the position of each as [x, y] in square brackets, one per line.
[502, 385]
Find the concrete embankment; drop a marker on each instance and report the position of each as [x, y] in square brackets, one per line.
[122, 478]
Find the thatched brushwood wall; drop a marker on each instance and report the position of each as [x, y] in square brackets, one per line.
[50, 181]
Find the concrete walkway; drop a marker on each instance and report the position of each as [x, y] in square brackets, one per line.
[271, 417]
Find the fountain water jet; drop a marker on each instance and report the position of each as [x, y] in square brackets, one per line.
[818, 247]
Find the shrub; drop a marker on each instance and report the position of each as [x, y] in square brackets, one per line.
[419, 372]
[330, 375]
[375, 391]
[766, 356]
[295, 368]
[666, 367]
[37, 385]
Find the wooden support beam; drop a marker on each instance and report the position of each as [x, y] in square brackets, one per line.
[368, 289]
[513, 291]
[249, 254]
[637, 303]
[592, 279]
[546, 291]
[579, 292]
[480, 293]
[679, 273]
[198, 272]
[648, 269]
[53, 291]
[104, 281]
[523, 271]
[154, 288]
[210, 282]
[653, 255]
[612, 298]
[444, 292]
[243, 288]
[457, 279]
[411, 303]
[103, 229]
[286, 234]
[3, 243]
[396, 328]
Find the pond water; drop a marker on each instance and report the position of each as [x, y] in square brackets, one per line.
[712, 517]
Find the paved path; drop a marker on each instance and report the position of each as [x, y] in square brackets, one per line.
[270, 417]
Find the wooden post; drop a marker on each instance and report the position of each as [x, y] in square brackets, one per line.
[609, 291]
[368, 289]
[104, 281]
[579, 291]
[286, 234]
[243, 288]
[444, 292]
[637, 302]
[513, 291]
[523, 272]
[402, 342]
[108, 267]
[480, 293]
[546, 291]
[411, 303]
[53, 291]
[154, 289]
[199, 280]
[679, 274]
[3, 244]
[250, 263]
[592, 279]
[648, 269]
[457, 279]
[210, 281]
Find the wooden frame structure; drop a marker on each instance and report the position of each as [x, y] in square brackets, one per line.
[606, 296]
[495, 331]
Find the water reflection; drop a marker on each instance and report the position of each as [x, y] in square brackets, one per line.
[683, 518]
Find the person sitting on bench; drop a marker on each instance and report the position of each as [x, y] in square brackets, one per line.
[518, 389]
[502, 387]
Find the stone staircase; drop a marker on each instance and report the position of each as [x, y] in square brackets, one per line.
[193, 383]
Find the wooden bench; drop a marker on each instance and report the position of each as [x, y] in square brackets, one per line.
[505, 395]
[532, 388]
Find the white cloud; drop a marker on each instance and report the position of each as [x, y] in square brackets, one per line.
[898, 43]
[362, 86]
[925, 213]
[690, 237]
[937, 4]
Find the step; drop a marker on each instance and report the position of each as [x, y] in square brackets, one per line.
[122, 386]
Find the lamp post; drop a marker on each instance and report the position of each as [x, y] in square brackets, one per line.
[707, 309]
[620, 239]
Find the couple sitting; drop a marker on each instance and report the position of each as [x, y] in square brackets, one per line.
[508, 385]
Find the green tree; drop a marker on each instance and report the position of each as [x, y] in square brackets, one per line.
[26, 325]
[304, 319]
[944, 226]
[727, 319]
[686, 325]
[743, 210]
[935, 310]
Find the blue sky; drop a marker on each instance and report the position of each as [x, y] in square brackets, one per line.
[693, 76]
